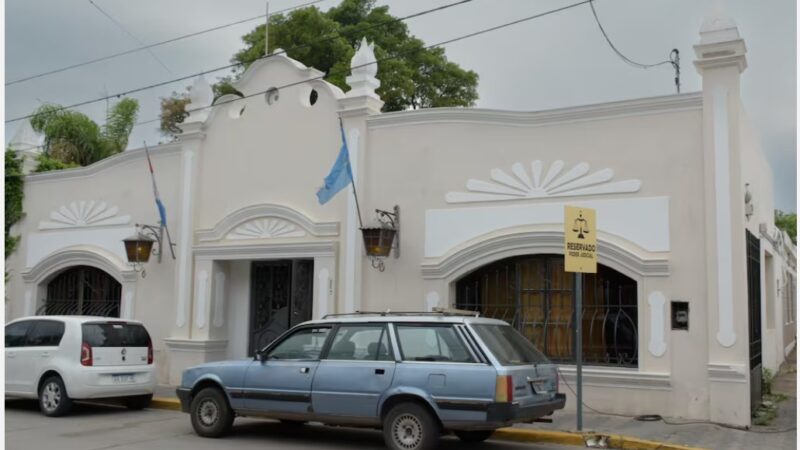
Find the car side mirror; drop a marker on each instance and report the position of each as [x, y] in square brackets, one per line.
[261, 355]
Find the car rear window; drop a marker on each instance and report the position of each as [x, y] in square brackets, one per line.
[115, 335]
[424, 342]
[508, 346]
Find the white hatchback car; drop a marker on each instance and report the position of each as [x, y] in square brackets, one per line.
[58, 359]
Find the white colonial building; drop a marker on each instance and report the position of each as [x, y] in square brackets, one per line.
[695, 291]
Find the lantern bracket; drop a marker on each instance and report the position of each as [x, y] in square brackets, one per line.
[391, 220]
[154, 234]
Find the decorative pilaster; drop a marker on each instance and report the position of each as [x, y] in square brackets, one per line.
[720, 61]
[360, 102]
[191, 139]
[182, 349]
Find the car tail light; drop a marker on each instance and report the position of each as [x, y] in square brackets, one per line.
[558, 375]
[149, 352]
[86, 354]
[504, 389]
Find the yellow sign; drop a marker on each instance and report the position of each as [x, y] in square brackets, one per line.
[580, 240]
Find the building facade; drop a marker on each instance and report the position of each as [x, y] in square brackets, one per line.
[695, 290]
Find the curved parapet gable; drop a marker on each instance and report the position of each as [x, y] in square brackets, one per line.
[104, 164]
[248, 86]
[266, 221]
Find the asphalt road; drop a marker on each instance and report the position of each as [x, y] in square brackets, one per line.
[96, 427]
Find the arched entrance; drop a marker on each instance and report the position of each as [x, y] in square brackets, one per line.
[535, 295]
[83, 290]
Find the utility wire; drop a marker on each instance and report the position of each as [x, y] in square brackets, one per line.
[125, 30]
[156, 44]
[674, 56]
[229, 66]
[387, 58]
[619, 53]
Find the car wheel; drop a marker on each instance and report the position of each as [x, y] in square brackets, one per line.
[409, 426]
[211, 414]
[138, 402]
[473, 436]
[53, 398]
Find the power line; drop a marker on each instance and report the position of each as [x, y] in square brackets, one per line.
[229, 66]
[674, 58]
[387, 58]
[156, 44]
[125, 30]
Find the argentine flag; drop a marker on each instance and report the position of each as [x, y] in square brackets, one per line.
[340, 175]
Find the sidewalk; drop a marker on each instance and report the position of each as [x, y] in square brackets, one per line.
[700, 435]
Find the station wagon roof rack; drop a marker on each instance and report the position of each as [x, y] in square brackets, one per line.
[434, 312]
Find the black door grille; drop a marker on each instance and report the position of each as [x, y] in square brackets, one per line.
[280, 297]
[82, 290]
[754, 298]
[535, 295]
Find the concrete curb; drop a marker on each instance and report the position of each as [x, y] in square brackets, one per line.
[524, 435]
[172, 404]
[579, 439]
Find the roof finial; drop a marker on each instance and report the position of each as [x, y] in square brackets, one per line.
[363, 68]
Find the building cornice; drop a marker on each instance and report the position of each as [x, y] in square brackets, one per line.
[266, 251]
[637, 107]
[494, 248]
[104, 164]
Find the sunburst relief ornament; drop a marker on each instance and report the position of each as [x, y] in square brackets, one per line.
[555, 182]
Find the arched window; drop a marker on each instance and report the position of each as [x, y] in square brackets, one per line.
[535, 295]
[83, 290]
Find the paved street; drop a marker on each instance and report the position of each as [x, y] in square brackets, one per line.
[94, 427]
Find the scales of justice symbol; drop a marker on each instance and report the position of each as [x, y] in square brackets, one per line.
[580, 226]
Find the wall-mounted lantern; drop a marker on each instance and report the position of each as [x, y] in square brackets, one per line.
[748, 201]
[381, 240]
[147, 240]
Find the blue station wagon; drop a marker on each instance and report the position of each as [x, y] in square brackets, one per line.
[413, 375]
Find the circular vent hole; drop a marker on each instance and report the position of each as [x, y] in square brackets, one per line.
[271, 95]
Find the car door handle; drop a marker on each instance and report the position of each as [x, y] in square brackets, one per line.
[45, 355]
[304, 370]
[380, 371]
[11, 355]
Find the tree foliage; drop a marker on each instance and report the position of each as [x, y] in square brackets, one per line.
[13, 196]
[414, 76]
[787, 222]
[72, 138]
[173, 112]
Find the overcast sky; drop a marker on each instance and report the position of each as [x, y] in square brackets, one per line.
[556, 61]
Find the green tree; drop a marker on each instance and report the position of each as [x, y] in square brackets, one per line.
[72, 138]
[13, 196]
[787, 222]
[415, 77]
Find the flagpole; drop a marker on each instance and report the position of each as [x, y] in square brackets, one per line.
[163, 226]
[352, 178]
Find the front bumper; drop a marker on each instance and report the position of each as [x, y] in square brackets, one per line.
[185, 396]
[508, 413]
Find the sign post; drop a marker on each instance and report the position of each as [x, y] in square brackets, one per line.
[580, 256]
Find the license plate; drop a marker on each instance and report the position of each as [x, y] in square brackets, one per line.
[539, 386]
[122, 378]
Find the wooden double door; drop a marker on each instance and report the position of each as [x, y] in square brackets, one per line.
[281, 296]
